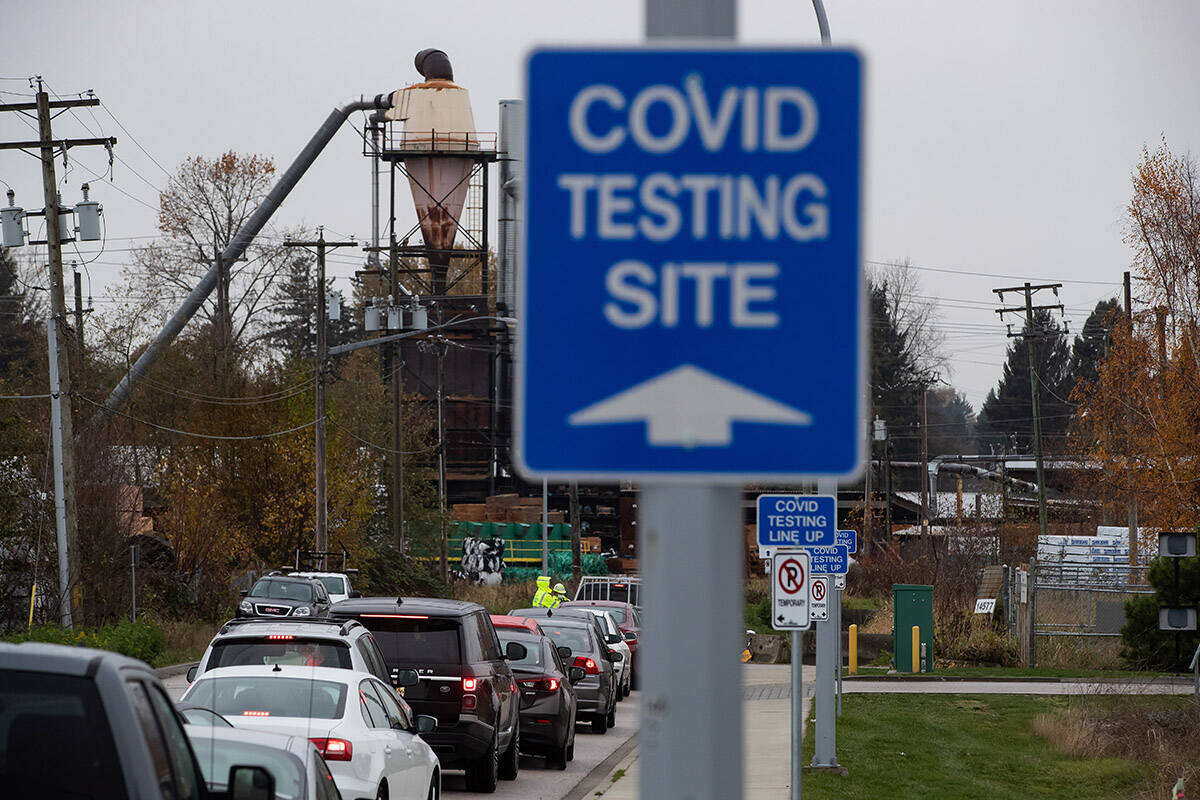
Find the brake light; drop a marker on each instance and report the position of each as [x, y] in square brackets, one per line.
[469, 684]
[256, 713]
[589, 665]
[394, 616]
[618, 586]
[280, 637]
[542, 684]
[334, 749]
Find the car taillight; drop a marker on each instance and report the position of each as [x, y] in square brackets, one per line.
[469, 684]
[589, 665]
[541, 684]
[280, 637]
[334, 749]
[469, 700]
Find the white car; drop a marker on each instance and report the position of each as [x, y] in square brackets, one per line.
[623, 669]
[336, 583]
[372, 745]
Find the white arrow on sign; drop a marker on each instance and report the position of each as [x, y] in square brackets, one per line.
[689, 407]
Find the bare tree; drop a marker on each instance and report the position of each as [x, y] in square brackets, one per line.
[915, 313]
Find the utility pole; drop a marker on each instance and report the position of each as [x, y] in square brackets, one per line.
[1031, 337]
[322, 356]
[396, 389]
[576, 533]
[46, 146]
[78, 310]
[925, 468]
[1131, 501]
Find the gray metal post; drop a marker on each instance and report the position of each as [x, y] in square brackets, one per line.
[689, 537]
[545, 531]
[133, 579]
[837, 611]
[689, 546]
[60, 498]
[825, 746]
[797, 711]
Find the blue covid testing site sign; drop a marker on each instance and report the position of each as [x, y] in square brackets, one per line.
[849, 539]
[789, 520]
[830, 560]
[691, 286]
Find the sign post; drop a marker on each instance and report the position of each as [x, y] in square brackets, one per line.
[682, 208]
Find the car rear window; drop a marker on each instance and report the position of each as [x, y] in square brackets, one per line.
[618, 613]
[270, 696]
[55, 738]
[283, 590]
[217, 755]
[268, 649]
[533, 646]
[574, 638]
[426, 640]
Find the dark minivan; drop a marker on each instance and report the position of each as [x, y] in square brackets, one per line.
[465, 678]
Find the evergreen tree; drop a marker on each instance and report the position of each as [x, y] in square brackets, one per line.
[294, 331]
[1007, 415]
[951, 423]
[896, 379]
[1093, 343]
[16, 327]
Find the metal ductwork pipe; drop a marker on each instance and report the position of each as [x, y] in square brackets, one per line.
[434, 64]
[241, 240]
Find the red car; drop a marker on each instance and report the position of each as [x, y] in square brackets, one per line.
[519, 623]
[628, 620]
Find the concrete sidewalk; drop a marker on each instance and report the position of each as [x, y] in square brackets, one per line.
[766, 738]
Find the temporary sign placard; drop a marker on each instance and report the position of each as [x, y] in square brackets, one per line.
[819, 594]
[796, 520]
[790, 602]
[691, 289]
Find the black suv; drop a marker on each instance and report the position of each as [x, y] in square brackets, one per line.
[465, 679]
[279, 595]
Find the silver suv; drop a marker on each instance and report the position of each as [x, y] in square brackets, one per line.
[306, 642]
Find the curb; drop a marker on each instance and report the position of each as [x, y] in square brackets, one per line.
[601, 771]
[175, 669]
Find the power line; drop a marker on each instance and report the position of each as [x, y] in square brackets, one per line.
[193, 434]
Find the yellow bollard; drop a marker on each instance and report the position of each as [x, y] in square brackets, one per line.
[853, 649]
[916, 648]
[32, 595]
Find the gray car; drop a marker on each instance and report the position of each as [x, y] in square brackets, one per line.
[597, 692]
[299, 771]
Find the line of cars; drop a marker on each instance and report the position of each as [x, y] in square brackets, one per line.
[367, 698]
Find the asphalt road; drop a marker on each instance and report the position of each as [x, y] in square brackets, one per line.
[536, 781]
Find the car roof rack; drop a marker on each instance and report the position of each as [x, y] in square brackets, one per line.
[344, 626]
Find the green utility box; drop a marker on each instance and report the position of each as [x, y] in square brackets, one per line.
[913, 606]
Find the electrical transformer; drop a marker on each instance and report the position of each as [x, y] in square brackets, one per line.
[87, 216]
[12, 226]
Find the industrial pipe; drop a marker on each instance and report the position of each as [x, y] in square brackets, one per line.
[241, 240]
[434, 64]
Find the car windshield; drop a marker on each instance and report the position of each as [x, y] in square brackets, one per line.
[533, 646]
[280, 649]
[333, 584]
[217, 755]
[283, 590]
[415, 639]
[269, 696]
[573, 637]
[43, 713]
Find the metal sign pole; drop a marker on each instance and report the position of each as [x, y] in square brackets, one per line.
[797, 712]
[825, 746]
[837, 616]
[689, 549]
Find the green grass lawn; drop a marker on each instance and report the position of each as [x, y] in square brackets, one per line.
[959, 746]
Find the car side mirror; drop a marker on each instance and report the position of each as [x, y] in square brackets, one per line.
[407, 677]
[612, 638]
[243, 592]
[251, 783]
[426, 723]
[575, 675]
[615, 657]
[355, 594]
[631, 636]
[515, 651]
[191, 673]
[564, 652]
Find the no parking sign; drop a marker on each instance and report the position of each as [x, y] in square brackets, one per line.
[791, 601]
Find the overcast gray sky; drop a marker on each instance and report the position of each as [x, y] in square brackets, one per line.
[1000, 136]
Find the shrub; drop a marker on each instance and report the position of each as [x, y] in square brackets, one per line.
[141, 640]
[1142, 643]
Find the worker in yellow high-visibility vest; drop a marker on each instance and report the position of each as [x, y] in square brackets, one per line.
[557, 598]
[543, 592]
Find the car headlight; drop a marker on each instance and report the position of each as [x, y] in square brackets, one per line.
[245, 606]
[303, 611]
